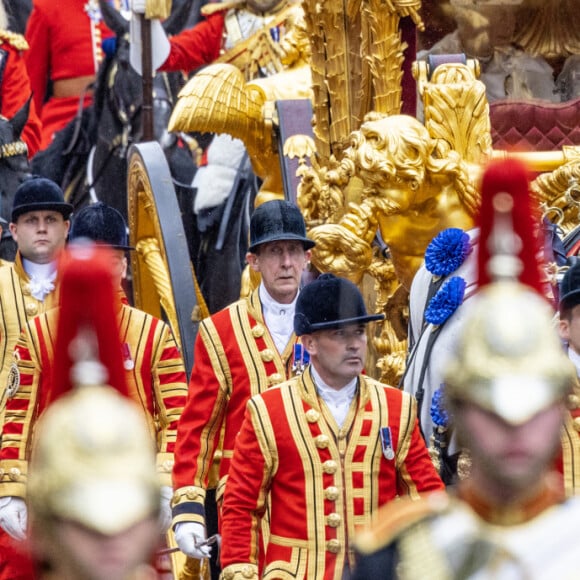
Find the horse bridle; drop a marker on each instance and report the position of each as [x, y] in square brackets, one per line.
[13, 149]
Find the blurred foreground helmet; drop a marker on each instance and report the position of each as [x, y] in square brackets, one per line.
[508, 359]
[93, 462]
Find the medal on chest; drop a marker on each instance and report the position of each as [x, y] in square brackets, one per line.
[387, 443]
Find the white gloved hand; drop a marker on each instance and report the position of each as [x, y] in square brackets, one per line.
[165, 508]
[188, 536]
[13, 517]
[138, 6]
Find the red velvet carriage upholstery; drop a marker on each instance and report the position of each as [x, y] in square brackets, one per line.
[534, 125]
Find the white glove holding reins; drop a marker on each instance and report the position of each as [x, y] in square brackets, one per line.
[188, 536]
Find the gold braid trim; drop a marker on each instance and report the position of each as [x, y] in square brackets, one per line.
[242, 571]
[185, 495]
[396, 517]
[16, 40]
[213, 7]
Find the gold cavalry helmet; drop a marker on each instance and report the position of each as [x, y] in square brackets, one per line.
[508, 357]
[93, 462]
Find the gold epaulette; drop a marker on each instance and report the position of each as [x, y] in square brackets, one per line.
[16, 40]
[396, 517]
[213, 7]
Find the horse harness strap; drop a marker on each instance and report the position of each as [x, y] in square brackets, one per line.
[434, 286]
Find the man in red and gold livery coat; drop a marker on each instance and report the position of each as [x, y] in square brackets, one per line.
[65, 41]
[14, 83]
[324, 450]
[39, 225]
[240, 351]
[154, 368]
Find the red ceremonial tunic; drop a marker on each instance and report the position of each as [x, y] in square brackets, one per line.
[235, 358]
[321, 482]
[155, 377]
[196, 46]
[65, 43]
[15, 87]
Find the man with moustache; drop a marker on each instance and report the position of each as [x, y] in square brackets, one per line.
[324, 450]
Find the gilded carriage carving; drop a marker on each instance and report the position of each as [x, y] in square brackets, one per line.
[380, 185]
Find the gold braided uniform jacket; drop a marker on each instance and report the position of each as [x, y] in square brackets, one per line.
[235, 358]
[17, 307]
[322, 482]
[155, 377]
[462, 535]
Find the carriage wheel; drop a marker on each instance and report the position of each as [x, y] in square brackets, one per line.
[163, 279]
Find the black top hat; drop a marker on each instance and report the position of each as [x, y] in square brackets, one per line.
[102, 224]
[328, 303]
[277, 220]
[39, 194]
[570, 287]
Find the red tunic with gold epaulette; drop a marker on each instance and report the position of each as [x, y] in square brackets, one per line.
[321, 482]
[155, 377]
[15, 87]
[235, 358]
[65, 39]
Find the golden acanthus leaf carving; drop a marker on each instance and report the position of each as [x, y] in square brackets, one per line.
[456, 108]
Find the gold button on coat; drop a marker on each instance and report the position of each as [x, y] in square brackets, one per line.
[275, 379]
[329, 466]
[267, 355]
[258, 331]
[312, 416]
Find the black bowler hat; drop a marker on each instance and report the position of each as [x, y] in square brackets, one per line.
[39, 194]
[570, 287]
[277, 220]
[102, 224]
[330, 302]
